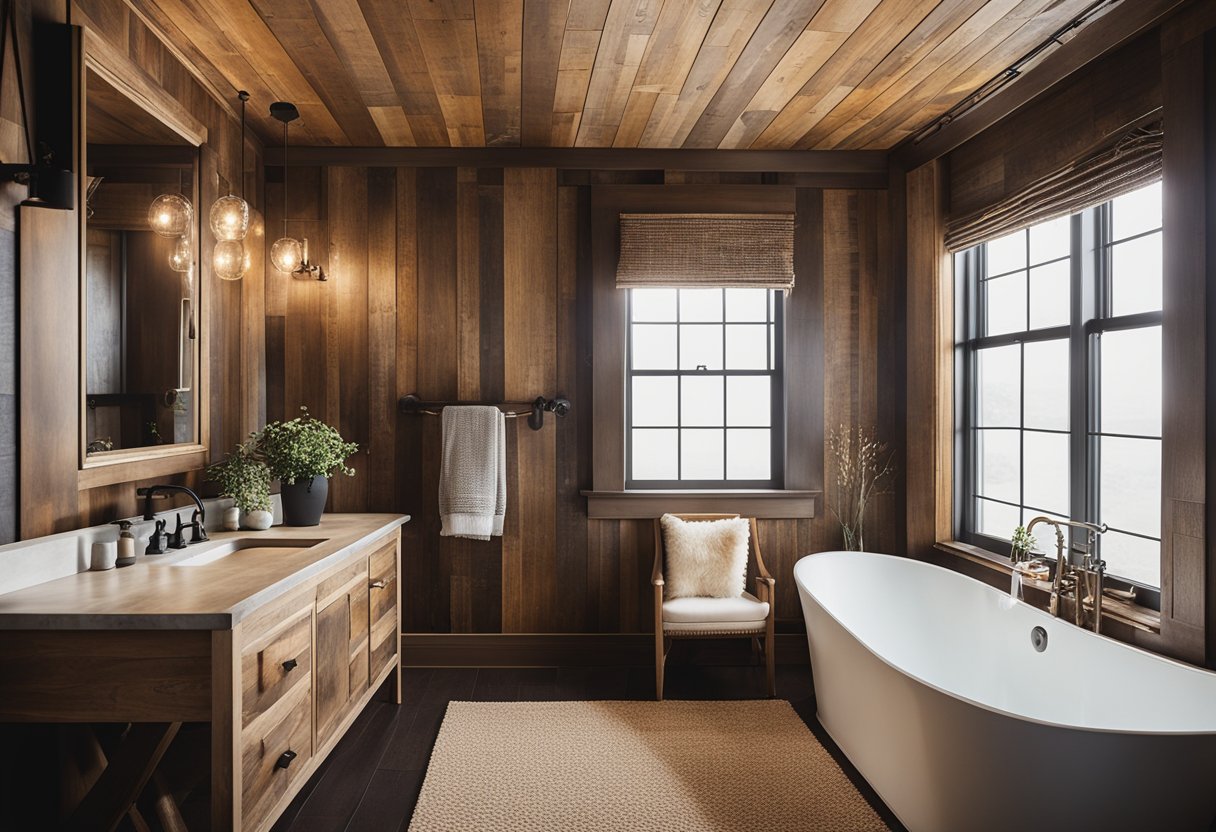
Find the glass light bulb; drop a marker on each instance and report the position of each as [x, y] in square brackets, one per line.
[182, 257]
[230, 218]
[230, 260]
[169, 215]
[286, 254]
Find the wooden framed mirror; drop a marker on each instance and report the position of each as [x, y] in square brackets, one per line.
[142, 389]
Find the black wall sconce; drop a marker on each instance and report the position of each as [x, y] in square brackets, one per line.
[48, 174]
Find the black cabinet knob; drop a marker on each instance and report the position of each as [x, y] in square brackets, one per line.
[290, 665]
[285, 759]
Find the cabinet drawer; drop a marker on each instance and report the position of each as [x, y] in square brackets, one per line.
[274, 665]
[274, 753]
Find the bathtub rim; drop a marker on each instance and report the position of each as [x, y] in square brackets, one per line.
[802, 587]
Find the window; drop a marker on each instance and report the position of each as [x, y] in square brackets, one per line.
[1060, 334]
[703, 389]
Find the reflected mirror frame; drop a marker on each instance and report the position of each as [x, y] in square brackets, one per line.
[104, 467]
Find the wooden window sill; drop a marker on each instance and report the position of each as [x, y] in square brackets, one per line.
[1133, 615]
[642, 504]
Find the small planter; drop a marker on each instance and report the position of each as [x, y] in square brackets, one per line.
[304, 502]
[258, 520]
[231, 520]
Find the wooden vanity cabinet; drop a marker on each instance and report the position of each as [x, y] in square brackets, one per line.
[308, 664]
[278, 649]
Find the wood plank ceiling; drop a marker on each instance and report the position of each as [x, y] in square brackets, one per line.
[763, 74]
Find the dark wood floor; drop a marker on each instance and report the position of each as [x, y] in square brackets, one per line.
[372, 779]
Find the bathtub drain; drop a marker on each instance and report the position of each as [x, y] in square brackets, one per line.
[1038, 638]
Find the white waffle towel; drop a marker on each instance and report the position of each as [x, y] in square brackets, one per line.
[473, 478]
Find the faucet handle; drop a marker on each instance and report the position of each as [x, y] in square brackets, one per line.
[199, 534]
[156, 541]
[177, 536]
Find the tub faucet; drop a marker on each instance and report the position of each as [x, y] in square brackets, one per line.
[1069, 577]
[1058, 582]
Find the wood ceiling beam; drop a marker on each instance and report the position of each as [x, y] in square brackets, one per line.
[859, 162]
[1096, 39]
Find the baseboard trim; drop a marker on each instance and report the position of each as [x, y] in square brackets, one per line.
[579, 650]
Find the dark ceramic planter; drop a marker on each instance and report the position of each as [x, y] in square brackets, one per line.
[304, 502]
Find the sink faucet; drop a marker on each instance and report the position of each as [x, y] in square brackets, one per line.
[196, 520]
[1067, 577]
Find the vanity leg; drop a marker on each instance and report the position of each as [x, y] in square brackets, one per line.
[225, 731]
[400, 654]
[124, 777]
[397, 673]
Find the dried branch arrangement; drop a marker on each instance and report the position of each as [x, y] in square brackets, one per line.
[864, 469]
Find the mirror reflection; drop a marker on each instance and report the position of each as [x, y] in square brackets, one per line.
[140, 289]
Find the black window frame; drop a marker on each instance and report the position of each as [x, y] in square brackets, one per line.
[775, 374]
[1090, 289]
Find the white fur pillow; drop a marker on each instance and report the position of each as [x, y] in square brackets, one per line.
[704, 558]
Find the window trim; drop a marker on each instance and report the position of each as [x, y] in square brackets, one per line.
[1090, 278]
[607, 496]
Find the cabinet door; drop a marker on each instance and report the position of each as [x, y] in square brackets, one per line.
[382, 576]
[341, 646]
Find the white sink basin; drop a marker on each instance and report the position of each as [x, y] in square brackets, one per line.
[247, 546]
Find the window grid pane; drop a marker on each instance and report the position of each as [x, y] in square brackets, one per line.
[703, 380]
[1021, 441]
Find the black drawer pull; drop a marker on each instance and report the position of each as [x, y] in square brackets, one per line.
[285, 759]
[290, 665]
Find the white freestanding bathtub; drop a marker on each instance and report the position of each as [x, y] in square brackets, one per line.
[929, 682]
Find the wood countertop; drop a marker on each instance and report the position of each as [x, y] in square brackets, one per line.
[220, 587]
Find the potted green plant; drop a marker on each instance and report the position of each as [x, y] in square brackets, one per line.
[303, 454]
[244, 477]
[1022, 543]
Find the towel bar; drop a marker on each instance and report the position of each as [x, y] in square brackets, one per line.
[536, 408]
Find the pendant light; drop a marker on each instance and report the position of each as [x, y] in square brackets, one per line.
[170, 215]
[230, 260]
[181, 258]
[230, 222]
[287, 253]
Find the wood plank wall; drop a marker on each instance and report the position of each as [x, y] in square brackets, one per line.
[474, 283]
[237, 403]
[12, 147]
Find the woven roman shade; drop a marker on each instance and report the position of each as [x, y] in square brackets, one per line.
[707, 251]
[1132, 162]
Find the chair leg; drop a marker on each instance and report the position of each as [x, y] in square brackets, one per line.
[770, 661]
[660, 658]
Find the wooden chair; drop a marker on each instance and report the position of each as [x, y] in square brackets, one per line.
[750, 616]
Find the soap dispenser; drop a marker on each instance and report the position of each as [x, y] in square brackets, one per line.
[126, 543]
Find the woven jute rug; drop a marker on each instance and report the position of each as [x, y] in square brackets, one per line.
[751, 766]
